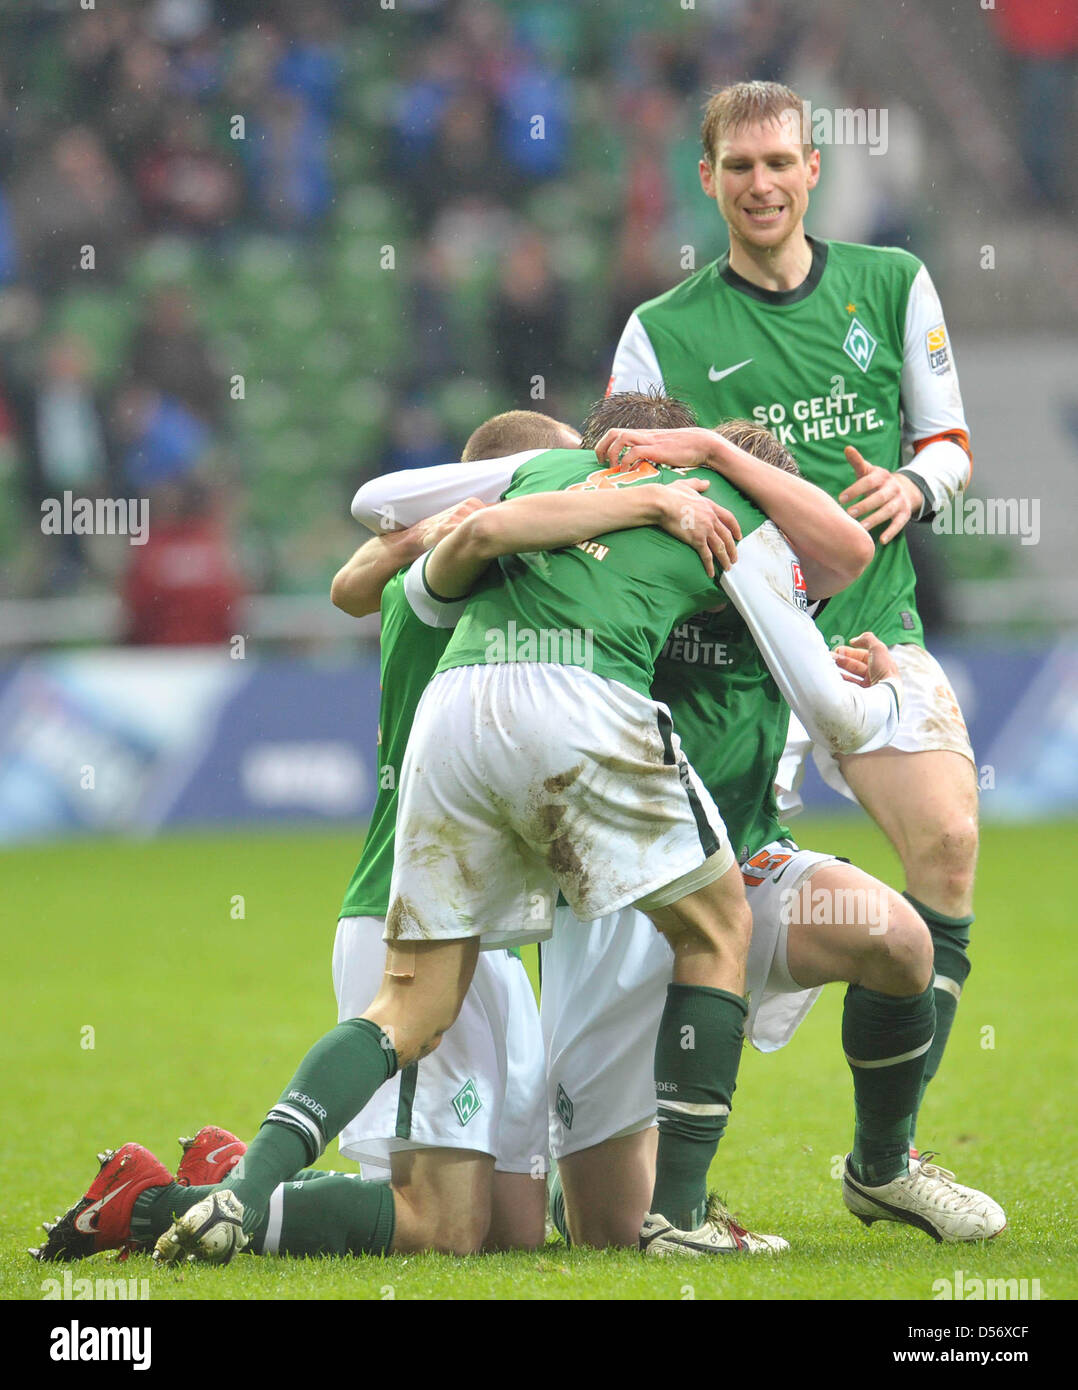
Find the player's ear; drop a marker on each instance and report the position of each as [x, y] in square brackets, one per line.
[707, 178]
[813, 166]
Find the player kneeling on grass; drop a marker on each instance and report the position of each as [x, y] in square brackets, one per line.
[488, 1072]
[531, 770]
[815, 918]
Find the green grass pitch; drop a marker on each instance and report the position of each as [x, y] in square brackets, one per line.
[197, 1014]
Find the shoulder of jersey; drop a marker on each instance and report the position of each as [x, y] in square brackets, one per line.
[889, 259]
[701, 281]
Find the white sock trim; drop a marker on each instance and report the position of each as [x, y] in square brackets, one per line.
[891, 1061]
[948, 985]
[272, 1242]
[688, 1107]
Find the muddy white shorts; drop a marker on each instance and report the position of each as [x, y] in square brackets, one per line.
[931, 721]
[604, 988]
[525, 778]
[483, 1086]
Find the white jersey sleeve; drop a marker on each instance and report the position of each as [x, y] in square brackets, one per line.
[843, 717]
[397, 500]
[428, 606]
[934, 421]
[636, 368]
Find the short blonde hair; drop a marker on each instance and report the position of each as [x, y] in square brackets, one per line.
[758, 441]
[750, 103]
[512, 433]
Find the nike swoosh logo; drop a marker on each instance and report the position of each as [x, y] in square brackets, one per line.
[82, 1220]
[713, 375]
[215, 1156]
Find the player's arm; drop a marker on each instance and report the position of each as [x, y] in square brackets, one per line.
[636, 367]
[396, 501]
[832, 548]
[357, 586]
[835, 710]
[551, 520]
[933, 421]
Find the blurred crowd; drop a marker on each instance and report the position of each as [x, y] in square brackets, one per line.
[252, 251]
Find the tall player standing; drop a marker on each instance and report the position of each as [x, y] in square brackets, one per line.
[832, 344]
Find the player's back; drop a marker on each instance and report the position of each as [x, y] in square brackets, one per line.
[607, 604]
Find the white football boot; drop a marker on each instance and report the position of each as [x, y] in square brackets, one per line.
[929, 1198]
[719, 1235]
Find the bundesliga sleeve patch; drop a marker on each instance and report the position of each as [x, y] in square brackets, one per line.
[800, 590]
[939, 357]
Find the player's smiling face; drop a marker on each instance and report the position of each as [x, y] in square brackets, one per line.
[761, 182]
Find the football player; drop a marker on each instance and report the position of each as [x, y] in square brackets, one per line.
[538, 763]
[830, 344]
[816, 918]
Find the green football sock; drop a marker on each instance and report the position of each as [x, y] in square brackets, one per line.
[316, 1213]
[950, 940]
[339, 1214]
[156, 1209]
[886, 1040]
[697, 1054]
[334, 1082]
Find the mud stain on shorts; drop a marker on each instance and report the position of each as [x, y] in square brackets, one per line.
[401, 921]
[562, 780]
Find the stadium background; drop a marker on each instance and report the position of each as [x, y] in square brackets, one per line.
[325, 244]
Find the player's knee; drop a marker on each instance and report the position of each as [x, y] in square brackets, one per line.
[899, 956]
[944, 857]
[430, 1042]
[605, 1229]
[460, 1231]
[426, 1221]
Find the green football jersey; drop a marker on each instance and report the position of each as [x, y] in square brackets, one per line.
[821, 366]
[607, 604]
[410, 652]
[731, 719]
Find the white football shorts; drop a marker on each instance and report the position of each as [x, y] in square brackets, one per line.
[604, 989]
[931, 721]
[526, 778]
[482, 1088]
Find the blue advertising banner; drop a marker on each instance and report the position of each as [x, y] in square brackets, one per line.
[133, 741]
[136, 741]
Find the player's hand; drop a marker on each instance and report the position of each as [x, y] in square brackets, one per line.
[684, 448]
[711, 530]
[878, 496]
[865, 661]
[435, 528]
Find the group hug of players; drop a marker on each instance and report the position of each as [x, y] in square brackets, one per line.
[592, 644]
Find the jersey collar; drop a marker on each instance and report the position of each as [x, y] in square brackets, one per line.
[802, 291]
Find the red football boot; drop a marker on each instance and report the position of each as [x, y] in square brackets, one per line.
[101, 1220]
[208, 1156]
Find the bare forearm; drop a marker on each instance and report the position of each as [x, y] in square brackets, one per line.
[539, 521]
[549, 520]
[832, 548]
[357, 586]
